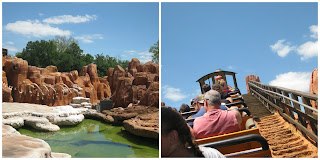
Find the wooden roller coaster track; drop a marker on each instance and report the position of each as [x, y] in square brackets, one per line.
[289, 125]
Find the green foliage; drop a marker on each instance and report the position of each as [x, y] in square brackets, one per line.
[65, 53]
[62, 42]
[155, 50]
[105, 62]
[39, 53]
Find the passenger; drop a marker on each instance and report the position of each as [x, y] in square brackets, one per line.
[216, 121]
[177, 140]
[184, 108]
[219, 77]
[225, 97]
[225, 87]
[199, 100]
[206, 88]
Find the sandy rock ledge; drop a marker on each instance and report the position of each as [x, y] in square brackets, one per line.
[15, 145]
[40, 117]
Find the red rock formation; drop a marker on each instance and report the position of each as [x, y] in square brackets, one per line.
[16, 70]
[101, 89]
[48, 86]
[6, 90]
[34, 75]
[132, 66]
[135, 84]
[251, 78]
[151, 97]
[313, 89]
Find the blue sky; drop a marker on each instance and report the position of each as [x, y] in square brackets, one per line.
[275, 41]
[123, 30]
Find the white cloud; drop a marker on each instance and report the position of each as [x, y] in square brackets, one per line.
[293, 80]
[145, 56]
[308, 50]
[9, 42]
[130, 52]
[198, 91]
[123, 56]
[173, 94]
[35, 28]
[230, 67]
[89, 38]
[314, 31]
[69, 19]
[282, 49]
[41, 14]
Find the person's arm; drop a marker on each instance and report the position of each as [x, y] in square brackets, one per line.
[238, 116]
[230, 99]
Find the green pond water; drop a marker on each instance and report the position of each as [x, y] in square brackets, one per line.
[93, 139]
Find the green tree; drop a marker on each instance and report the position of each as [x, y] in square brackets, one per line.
[66, 54]
[102, 65]
[105, 62]
[155, 50]
[62, 42]
[62, 52]
[39, 53]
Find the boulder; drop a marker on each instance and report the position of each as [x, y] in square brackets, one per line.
[32, 84]
[122, 95]
[120, 114]
[313, 88]
[251, 78]
[69, 120]
[15, 145]
[149, 67]
[145, 125]
[6, 90]
[90, 113]
[137, 92]
[34, 75]
[132, 66]
[117, 74]
[15, 122]
[109, 78]
[8, 130]
[79, 100]
[151, 97]
[40, 123]
[49, 69]
[40, 117]
[86, 105]
[60, 155]
[141, 78]
[16, 70]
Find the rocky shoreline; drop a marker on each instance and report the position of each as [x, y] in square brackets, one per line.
[136, 119]
[133, 93]
[15, 145]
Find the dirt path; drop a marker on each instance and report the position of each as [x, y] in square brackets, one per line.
[285, 141]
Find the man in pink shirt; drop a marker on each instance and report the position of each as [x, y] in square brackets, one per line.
[215, 121]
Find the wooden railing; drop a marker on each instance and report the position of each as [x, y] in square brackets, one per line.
[292, 105]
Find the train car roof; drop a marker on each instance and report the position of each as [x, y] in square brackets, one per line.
[217, 72]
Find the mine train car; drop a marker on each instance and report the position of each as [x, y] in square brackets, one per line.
[245, 143]
[211, 78]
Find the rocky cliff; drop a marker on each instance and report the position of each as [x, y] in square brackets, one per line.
[137, 84]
